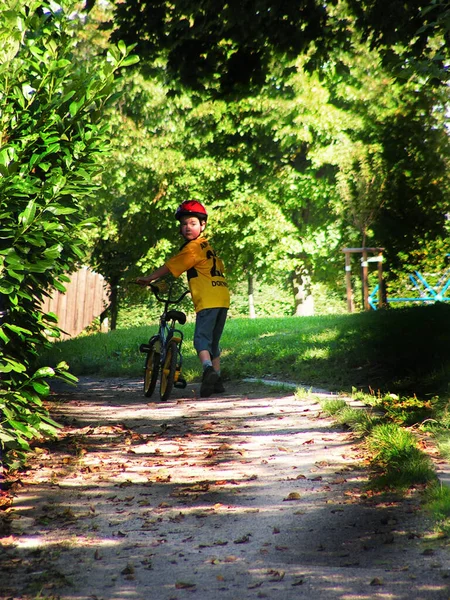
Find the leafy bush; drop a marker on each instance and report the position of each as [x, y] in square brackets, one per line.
[51, 139]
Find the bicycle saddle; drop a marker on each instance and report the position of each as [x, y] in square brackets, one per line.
[176, 315]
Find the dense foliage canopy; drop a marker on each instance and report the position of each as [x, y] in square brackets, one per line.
[226, 45]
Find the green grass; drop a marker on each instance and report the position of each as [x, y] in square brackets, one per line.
[397, 458]
[333, 407]
[403, 351]
[437, 503]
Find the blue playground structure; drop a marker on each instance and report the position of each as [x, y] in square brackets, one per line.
[427, 292]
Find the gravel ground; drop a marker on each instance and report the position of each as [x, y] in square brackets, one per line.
[250, 495]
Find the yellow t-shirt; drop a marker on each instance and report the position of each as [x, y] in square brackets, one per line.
[205, 273]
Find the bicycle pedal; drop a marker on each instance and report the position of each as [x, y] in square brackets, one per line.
[181, 383]
[144, 348]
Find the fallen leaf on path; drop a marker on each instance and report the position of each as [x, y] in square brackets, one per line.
[125, 484]
[184, 585]
[129, 570]
[377, 581]
[225, 447]
[292, 496]
[276, 575]
[244, 539]
[163, 479]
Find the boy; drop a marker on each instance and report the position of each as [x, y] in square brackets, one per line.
[208, 287]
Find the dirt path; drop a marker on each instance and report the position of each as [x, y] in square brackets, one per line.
[247, 496]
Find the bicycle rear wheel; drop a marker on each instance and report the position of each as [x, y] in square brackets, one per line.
[152, 361]
[168, 371]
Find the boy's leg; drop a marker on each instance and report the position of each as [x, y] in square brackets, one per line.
[203, 338]
[216, 364]
[217, 334]
[218, 386]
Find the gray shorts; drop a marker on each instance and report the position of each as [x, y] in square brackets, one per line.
[209, 326]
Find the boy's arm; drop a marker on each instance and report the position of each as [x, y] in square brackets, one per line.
[161, 272]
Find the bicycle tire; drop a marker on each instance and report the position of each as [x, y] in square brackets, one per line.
[168, 371]
[152, 361]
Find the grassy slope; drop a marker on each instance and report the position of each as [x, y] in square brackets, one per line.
[403, 350]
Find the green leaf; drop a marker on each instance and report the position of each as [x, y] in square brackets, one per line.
[17, 329]
[6, 437]
[12, 365]
[61, 210]
[27, 216]
[24, 429]
[6, 287]
[44, 372]
[3, 336]
[130, 60]
[41, 388]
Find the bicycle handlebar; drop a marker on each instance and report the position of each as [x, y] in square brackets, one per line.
[156, 290]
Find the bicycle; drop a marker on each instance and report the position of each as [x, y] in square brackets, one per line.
[164, 349]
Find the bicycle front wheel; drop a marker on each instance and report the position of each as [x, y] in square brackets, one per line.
[168, 371]
[151, 370]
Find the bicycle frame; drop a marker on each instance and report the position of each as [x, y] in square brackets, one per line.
[164, 349]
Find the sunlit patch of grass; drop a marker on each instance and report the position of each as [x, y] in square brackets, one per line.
[333, 406]
[302, 393]
[396, 457]
[359, 420]
[321, 353]
[325, 336]
[437, 503]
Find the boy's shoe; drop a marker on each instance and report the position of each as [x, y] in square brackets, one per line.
[209, 380]
[218, 386]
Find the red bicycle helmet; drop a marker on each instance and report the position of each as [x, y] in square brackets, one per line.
[191, 208]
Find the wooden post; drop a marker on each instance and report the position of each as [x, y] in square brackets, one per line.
[364, 275]
[365, 279]
[348, 282]
[380, 281]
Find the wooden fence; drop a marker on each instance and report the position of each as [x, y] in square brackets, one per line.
[85, 299]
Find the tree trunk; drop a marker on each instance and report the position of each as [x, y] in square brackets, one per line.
[251, 299]
[304, 301]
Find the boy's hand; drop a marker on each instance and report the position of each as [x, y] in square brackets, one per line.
[143, 280]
